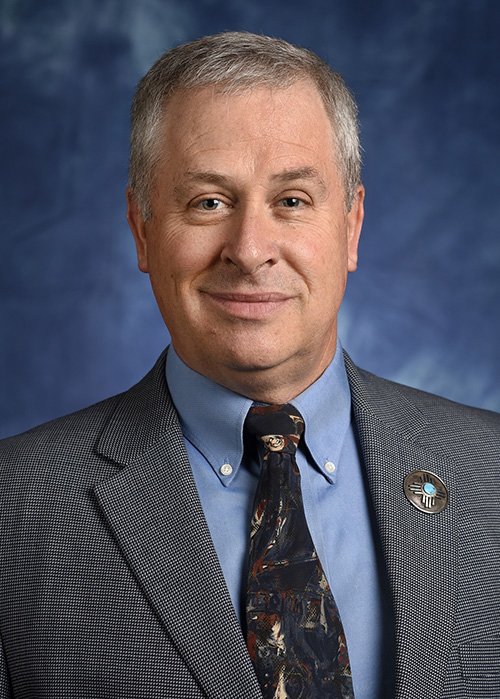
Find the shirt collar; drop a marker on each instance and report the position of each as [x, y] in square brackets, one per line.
[212, 416]
[326, 408]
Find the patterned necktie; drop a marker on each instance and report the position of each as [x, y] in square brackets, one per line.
[294, 634]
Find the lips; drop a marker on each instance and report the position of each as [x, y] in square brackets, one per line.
[250, 306]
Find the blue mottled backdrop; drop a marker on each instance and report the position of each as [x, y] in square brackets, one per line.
[78, 321]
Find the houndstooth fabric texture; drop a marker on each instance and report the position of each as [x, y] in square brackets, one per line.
[110, 586]
[444, 569]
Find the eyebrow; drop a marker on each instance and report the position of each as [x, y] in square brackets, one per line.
[307, 173]
[198, 176]
[299, 173]
[291, 175]
[208, 176]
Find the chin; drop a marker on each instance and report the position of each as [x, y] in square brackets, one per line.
[252, 359]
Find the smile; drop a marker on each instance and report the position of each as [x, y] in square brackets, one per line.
[250, 306]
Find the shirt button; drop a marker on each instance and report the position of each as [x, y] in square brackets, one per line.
[330, 467]
[226, 469]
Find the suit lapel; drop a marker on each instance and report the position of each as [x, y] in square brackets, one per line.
[419, 548]
[153, 509]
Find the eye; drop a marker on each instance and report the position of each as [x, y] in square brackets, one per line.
[210, 204]
[291, 202]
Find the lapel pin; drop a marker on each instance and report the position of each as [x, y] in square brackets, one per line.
[426, 491]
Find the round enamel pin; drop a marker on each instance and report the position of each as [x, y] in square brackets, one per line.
[426, 491]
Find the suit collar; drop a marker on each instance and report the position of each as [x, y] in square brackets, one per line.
[384, 401]
[419, 548]
[144, 414]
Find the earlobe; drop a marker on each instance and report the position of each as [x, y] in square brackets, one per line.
[354, 225]
[138, 228]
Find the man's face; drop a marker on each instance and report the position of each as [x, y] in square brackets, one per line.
[249, 244]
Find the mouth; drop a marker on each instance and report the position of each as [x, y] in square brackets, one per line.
[249, 306]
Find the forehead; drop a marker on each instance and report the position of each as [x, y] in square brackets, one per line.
[290, 122]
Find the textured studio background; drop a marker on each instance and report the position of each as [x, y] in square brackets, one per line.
[78, 321]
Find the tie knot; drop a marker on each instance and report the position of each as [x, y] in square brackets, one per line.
[278, 427]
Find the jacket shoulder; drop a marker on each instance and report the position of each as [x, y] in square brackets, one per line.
[75, 432]
[438, 406]
[443, 424]
[430, 402]
[73, 442]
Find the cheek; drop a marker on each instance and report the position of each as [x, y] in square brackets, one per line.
[177, 255]
[322, 260]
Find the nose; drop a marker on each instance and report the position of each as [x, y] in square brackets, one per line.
[249, 244]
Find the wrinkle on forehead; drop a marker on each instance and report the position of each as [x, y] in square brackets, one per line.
[272, 110]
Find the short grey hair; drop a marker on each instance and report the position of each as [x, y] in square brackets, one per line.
[235, 62]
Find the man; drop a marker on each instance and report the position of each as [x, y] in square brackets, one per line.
[126, 567]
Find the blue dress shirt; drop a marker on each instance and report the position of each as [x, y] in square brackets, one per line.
[336, 502]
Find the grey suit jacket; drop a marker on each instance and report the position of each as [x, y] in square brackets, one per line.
[110, 586]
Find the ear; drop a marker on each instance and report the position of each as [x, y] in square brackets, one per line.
[138, 228]
[354, 224]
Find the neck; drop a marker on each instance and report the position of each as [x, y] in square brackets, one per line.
[276, 385]
[265, 389]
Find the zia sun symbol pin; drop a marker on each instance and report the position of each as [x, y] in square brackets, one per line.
[426, 491]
